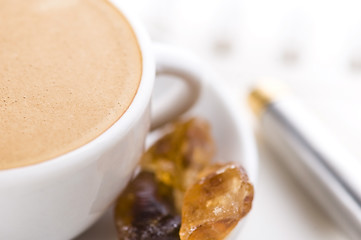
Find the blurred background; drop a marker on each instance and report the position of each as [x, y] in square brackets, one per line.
[314, 46]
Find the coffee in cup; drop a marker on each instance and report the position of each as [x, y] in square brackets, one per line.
[69, 70]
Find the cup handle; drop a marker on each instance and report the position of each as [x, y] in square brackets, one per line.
[174, 62]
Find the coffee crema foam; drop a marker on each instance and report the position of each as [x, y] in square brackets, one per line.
[69, 69]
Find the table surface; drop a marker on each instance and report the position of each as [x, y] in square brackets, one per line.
[316, 54]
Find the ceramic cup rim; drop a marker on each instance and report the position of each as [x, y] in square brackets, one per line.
[77, 158]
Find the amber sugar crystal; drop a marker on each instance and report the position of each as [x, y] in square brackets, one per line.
[178, 157]
[214, 205]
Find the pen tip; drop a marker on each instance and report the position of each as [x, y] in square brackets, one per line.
[264, 93]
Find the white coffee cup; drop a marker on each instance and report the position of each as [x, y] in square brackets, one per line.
[60, 198]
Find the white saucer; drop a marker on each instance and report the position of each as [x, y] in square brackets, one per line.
[234, 139]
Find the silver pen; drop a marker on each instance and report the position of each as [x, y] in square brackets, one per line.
[312, 154]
